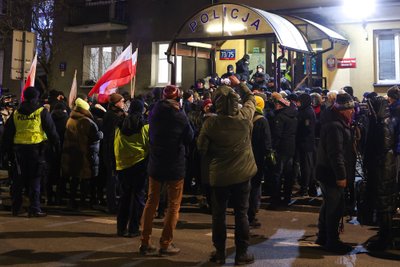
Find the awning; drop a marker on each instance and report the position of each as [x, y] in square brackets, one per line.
[232, 21]
[315, 32]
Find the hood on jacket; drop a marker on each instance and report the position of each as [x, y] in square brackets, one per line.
[288, 111]
[132, 124]
[79, 113]
[305, 101]
[28, 107]
[226, 101]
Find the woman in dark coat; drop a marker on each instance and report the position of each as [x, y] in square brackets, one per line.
[80, 157]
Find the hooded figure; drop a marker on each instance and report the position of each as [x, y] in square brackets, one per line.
[242, 68]
[305, 142]
[225, 142]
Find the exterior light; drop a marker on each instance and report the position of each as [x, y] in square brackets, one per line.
[198, 44]
[358, 9]
[228, 27]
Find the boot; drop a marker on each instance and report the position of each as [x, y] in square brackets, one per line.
[385, 235]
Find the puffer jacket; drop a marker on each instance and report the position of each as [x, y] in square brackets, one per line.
[225, 139]
[170, 134]
[80, 157]
[335, 150]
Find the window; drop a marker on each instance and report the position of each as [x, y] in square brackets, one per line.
[162, 70]
[388, 57]
[96, 60]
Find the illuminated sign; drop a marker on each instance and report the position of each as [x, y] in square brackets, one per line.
[227, 54]
[346, 63]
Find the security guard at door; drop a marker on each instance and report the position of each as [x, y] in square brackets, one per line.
[25, 135]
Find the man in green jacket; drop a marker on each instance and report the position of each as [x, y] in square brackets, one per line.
[226, 141]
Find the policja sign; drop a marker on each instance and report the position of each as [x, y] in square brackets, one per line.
[22, 54]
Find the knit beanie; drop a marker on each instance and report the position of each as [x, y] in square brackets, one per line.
[136, 106]
[344, 101]
[31, 93]
[170, 92]
[115, 98]
[79, 102]
[259, 104]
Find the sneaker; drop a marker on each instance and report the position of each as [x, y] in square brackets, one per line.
[244, 258]
[37, 214]
[147, 250]
[320, 241]
[338, 247]
[218, 257]
[170, 250]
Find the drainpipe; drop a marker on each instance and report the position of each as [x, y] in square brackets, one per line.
[173, 65]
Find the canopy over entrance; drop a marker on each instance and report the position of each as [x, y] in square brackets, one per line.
[232, 21]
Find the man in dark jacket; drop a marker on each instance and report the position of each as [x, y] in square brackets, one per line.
[226, 140]
[284, 142]
[170, 133]
[242, 68]
[305, 142]
[113, 117]
[334, 154]
[25, 133]
[261, 144]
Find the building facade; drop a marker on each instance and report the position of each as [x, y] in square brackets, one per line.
[89, 35]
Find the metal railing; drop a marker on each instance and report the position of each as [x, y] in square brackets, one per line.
[84, 13]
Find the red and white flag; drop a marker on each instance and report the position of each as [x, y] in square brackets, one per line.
[118, 74]
[73, 92]
[30, 81]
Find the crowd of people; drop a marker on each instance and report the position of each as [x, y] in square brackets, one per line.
[138, 156]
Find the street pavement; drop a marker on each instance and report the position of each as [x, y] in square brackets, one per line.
[88, 238]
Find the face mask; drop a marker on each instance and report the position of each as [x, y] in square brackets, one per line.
[260, 70]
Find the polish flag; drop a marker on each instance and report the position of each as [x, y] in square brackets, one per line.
[118, 74]
[30, 81]
[73, 92]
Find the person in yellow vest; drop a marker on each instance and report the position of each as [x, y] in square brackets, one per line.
[25, 134]
[131, 148]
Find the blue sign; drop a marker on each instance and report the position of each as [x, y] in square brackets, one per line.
[227, 54]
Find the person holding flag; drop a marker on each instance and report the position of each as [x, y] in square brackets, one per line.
[25, 135]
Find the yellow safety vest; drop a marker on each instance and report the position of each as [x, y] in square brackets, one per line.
[132, 149]
[28, 128]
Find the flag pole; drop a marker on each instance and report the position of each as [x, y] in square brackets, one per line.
[133, 85]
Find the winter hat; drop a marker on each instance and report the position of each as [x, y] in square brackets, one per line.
[394, 92]
[115, 98]
[170, 92]
[260, 104]
[79, 102]
[305, 100]
[277, 98]
[344, 101]
[349, 90]
[292, 97]
[31, 93]
[206, 102]
[136, 106]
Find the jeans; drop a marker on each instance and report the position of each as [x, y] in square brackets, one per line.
[220, 197]
[331, 212]
[306, 169]
[174, 195]
[283, 168]
[131, 203]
